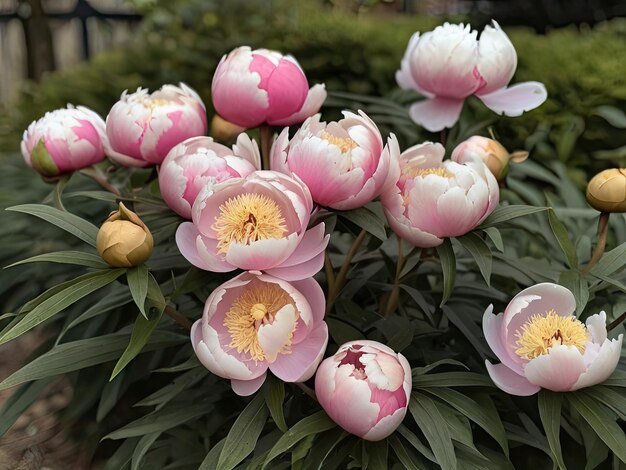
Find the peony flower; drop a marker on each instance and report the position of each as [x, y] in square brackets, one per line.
[254, 223]
[256, 322]
[251, 87]
[542, 345]
[491, 152]
[142, 128]
[365, 388]
[449, 64]
[64, 140]
[345, 164]
[198, 162]
[435, 199]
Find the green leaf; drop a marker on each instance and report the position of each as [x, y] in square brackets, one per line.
[416, 443]
[323, 447]
[210, 461]
[429, 420]
[448, 267]
[612, 261]
[110, 396]
[98, 195]
[550, 412]
[367, 220]
[613, 115]
[173, 389]
[274, 392]
[480, 252]
[81, 287]
[576, 282]
[377, 452]
[314, 424]
[79, 258]
[505, 213]
[599, 418]
[440, 362]
[496, 237]
[20, 401]
[562, 237]
[617, 379]
[244, 434]
[403, 457]
[71, 223]
[143, 446]
[138, 284]
[609, 397]
[84, 353]
[452, 379]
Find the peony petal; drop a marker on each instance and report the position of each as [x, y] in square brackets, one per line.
[558, 370]
[603, 364]
[515, 100]
[314, 295]
[192, 246]
[492, 329]
[246, 388]
[314, 101]
[509, 381]
[436, 114]
[301, 363]
[596, 325]
[261, 255]
[273, 337]
[313, 243]
[386, 426]
[300, 271]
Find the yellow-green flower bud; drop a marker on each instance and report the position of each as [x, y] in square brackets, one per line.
[606, 191]
[491, 152]
[224, 131]
[123, 240]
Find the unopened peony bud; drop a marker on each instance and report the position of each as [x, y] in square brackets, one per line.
[491, 152]
[223, 130]
[606, 191]
[124, 241]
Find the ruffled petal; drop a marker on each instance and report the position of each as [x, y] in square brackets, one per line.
[517, 99]
[301, 363]
[603, 364]
[558, 370]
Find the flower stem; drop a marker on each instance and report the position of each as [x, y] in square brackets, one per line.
[265, 131]
[443, 137]
[99, 178]
[178, 317]
[603, 225]
[392, 300]
[306, 389]
[330, 273]
[343, 271]
[615, 323]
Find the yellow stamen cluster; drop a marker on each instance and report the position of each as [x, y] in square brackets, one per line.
[541, 332]
[255, 306]
[413, 172]
[247, 218]
[152, 103]
[345, 144]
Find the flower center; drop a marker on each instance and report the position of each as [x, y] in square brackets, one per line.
[255, 306]
[413, 172]
[152, 103]
[247, 218]
[345, 144]
[541, 332]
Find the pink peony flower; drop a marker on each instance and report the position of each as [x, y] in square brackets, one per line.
[542, 345]
[252, 87]
[142, 128]
[254, 223]
[198, 162]
[256, 322]
[365, 388]
[345, 163]
[449, 64]
[435, 199]
[64, 140]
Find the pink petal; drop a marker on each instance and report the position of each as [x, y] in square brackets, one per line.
[492, 329]
[314, 101]
[603, 364]
[261, 254]
[274, 336]
[313, 243]
[516, 99]
[299, 271]
[437, 113]
[509, 381]
[596, 325]
[301, 363]
[314, 295]
[192, 246]
[386, 426]
[558, 370]
[246, 388]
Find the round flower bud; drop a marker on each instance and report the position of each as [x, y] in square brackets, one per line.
[606, 191]
[123, 240]
[223, 130]
[491, 152]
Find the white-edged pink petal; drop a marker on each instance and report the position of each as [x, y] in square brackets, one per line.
[300, 364]
[509, 381]
[516, 99]
[558, 370]
[245, 388]
[437, 113]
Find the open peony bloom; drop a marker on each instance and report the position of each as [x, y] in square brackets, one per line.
[435, 199]
[256, 322]
[64, 140]
[345, 163]
[254, 223]
[449, 64]
[365, 388]
[251, 87]
[542, 345]
[198, 162]
[142, 128]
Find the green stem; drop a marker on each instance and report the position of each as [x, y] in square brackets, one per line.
[99, 178]
[343, 271]
[615, 323]
[392, 300]
[603, 225]
[177, 317]
[330, 272]
[265, 132]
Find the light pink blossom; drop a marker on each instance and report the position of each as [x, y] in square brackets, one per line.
[254, 223]
[365, 388]
[435, 199]
[482, 149]
[142, 127]
[542, 345]
[345, 164]
[64, 140]
[251, 87]
[198, 162]
[449, 64]
[256, 322]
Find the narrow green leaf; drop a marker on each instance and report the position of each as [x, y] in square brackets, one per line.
[617, 379]
[143, 446]
[598, 417]
[71, 223]
[138, 284]
[496, 237]
[550, 412]
[111, 395]
[609, 397]
[79, 258]
[403, 457]
[576, 282]
[244, 434]
[367, 220]
[98, 195]
[452, 379]
[480, 252]
[505, 213]
[416, 443]
[562, 237]
[274, 392]
[173, 389]
[210, 461]
[20, 401]
[612, 261]
[81, 287]
[377, 455]
[448, 267]
[429, 420]
[314, 424]
[323, 447]
[440, 362]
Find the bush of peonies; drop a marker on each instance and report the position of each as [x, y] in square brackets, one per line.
[260, 233]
